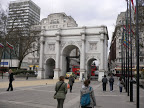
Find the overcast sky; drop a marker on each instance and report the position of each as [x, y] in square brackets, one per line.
[85, 12]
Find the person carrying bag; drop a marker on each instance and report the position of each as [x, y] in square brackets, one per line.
[87, 97]
[61, 91]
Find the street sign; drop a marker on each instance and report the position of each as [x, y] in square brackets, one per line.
[3, 63]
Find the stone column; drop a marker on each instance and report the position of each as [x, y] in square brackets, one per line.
[57, 67]
[101, 68]
[82, 60]
[41, 60]
[105, 52]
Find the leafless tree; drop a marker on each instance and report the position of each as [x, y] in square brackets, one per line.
[21, 36]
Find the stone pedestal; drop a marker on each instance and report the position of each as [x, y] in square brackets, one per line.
[101, 74]
[56, 73]
[40, 74]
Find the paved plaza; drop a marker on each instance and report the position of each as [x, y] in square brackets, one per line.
[35, 93]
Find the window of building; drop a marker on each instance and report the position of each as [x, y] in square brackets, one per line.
[119, 46]
[37, 60]
[119, 59]
[140, 40]
[119, 53]
[119, 40]
[141, 59]
[64, 20]
[140, 53]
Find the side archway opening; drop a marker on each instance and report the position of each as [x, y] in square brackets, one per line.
[50, 66]
[93, 68]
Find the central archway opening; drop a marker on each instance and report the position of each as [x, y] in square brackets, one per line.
[93, 68]
[50, 66]
[71, 60]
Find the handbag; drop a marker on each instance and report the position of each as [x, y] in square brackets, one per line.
[68, 86]
[57, 91]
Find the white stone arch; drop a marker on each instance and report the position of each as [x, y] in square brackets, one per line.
[66, 50]
[65, 44]
[49, 57]
[93, 56]
[49, 68]
[91, 42]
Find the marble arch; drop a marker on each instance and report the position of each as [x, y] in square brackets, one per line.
[92, 42]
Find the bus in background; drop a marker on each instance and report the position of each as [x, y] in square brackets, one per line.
[93, 69]
[76, 70]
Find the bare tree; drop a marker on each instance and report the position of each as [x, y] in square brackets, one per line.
[3, 22]
[22, 37]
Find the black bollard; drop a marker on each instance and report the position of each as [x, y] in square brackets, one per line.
[131, 91]
[126, 84]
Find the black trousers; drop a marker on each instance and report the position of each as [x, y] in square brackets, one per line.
[60, 103]
[10, 86]
[104, 86]
[70, 88]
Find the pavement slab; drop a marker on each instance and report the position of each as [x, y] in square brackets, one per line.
[38, 94]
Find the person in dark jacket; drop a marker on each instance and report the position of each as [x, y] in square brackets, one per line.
[104, 81]
[11, 79]
[27, 75]
[71, 81]
[61, 93]
[111, 82]
[88, 89]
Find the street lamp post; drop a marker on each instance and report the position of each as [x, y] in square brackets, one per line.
[131, 82]
[137, 52]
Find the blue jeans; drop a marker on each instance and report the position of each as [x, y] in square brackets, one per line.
[111, 86]
[120, 89]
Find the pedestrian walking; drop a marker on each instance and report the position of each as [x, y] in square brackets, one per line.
[89, 76]
[61, 91]
[11, 79]
[27, 75]
[87, 97]
[120, 84]
[111, 82]
[83, 77]
[71, 81]
[104, 81]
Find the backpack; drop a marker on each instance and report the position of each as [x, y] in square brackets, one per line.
[85, 99]
[111, 80]
[104, 80]
[73, 80]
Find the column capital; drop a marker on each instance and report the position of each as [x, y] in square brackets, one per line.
[102, 36]
[42, 40]
[58, 33]
[42, 32]
[83, 37]
[57, 38]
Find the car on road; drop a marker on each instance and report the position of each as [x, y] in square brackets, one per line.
[68, 74]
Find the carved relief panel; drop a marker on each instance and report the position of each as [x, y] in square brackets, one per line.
[51, 47]
[92, 46]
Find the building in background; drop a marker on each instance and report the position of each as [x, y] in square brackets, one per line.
[115, 55]
[22, 15]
